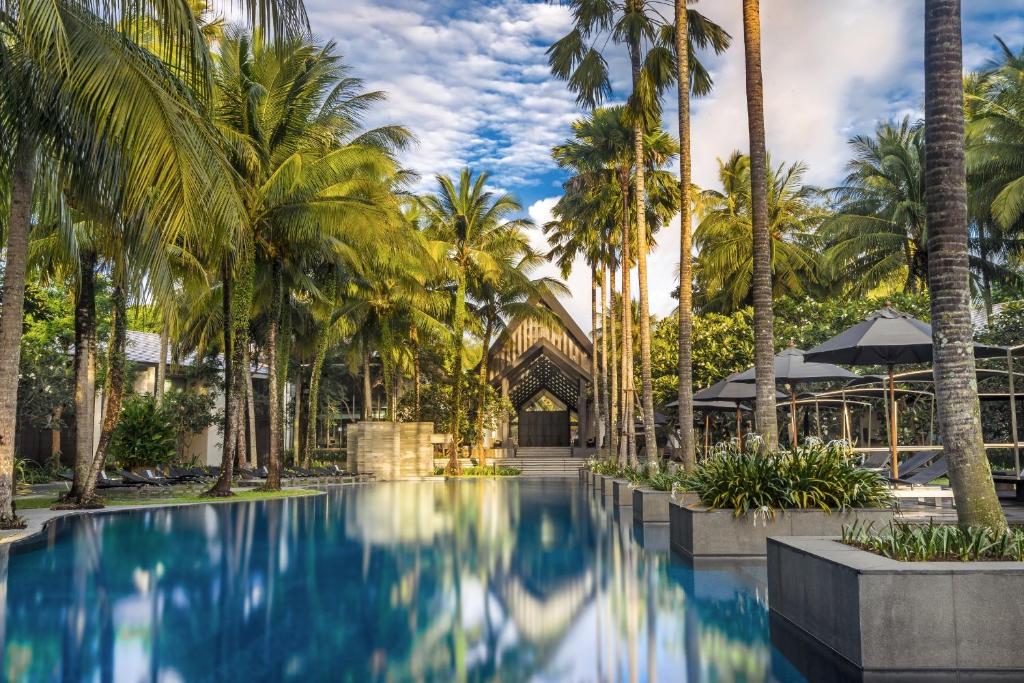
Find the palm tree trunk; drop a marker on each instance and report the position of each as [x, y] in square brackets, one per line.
[313, 411]
[640, 199]
[367, 387]
[764, 344]
[687, 448]
[113, 390]
[250, 409]
[946, 204]
[614, 395]
[605, 331]
[161, 363]
[594, 364]
[458, 331]
[274, 382]
[627, 449]
[416, 374]
[85, 373]
[240, 297]
[482, 403]
[12, 317]
[297, 424]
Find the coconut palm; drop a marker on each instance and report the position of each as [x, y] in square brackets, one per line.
[648, 39]
[725, 261]
[719, 41]
[956, 392]
[761, 276]
[474, 232]
[289, 117]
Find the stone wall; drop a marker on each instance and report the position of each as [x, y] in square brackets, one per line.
[391, 450]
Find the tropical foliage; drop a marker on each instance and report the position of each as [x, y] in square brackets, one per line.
[937, 542]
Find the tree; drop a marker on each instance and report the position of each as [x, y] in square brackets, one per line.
[761, 277]
[473, 231]
[959, 413]
[638, 26]
[720, 41]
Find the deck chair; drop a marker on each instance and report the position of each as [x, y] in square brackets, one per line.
[917, 462]
[139, 479]
[875, 461]
[922, 477]
[105, 481]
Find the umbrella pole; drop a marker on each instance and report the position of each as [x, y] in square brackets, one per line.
[817, 418]
[845, 427]
[871, 418]
[792, 413]
[892, 425]
[739, 427]
[1013, 412]
[707, 433]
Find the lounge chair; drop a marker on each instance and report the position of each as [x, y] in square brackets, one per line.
[917, 462]
[923, 477]
[183, 476]
[105, 481]
[140, 479]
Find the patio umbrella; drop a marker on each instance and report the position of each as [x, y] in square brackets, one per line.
[707, 407]
[793, 368]
[887, 337]
[732, 392]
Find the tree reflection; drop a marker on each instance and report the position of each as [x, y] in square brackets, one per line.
[456, 581]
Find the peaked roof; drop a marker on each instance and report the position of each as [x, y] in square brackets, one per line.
[571, 326]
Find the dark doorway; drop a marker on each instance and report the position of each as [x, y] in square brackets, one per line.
[544, 428]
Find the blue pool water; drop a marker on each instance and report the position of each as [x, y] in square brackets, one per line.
[476, 580]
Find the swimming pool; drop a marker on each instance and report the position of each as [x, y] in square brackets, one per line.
[476, 580]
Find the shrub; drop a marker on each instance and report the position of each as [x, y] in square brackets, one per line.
[604, 467]
[814, 475]
[937, 542]
[145, 434]
[481, 471]
[662, 481]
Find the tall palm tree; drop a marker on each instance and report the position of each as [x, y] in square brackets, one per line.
[289, 119]
[473, 231]
[725, 261]
[959, 412]
[764, 351]
[719, 41]
[647, 37]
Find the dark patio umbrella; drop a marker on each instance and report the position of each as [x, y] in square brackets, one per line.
[733, 392]
[887, 337]
[792, 368]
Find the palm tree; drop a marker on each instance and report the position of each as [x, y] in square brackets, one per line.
[289, 118]
[725, 262]
[648, 39]
[719, 41]
[473, 231]
[959, 412]
[764, 351]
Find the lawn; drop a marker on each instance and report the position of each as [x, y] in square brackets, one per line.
[37, 502]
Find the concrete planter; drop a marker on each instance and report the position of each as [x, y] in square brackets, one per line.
[622, 493]
[650, 506]
[697, 531]
[607, 488]
[889, 618]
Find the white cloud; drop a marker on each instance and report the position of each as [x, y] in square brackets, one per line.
[578, 283]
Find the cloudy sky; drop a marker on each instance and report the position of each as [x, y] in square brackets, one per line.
[470, 78]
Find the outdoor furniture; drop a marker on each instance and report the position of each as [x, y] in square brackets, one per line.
[105, 481]
[733, 392]
[887, 337]
[939, 468]
[140, 479]
[916, 462]
[793, 368]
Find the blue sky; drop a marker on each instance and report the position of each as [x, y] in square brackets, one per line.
[471, 80]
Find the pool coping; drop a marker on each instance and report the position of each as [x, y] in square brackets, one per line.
[37, 520]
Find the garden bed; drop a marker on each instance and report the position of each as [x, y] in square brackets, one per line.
[886, 616]
[650, 505]
[702, 532]
[622, 493]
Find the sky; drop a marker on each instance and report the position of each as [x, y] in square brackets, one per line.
[471, 80]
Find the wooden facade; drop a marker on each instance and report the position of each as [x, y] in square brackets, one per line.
[533, 365]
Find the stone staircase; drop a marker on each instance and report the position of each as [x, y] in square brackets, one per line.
[544, 462]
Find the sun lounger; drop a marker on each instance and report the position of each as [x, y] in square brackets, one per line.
[105, 481]
[140, 479]
[923, 477]
[917, 462]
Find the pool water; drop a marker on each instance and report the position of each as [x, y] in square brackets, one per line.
[475, 580]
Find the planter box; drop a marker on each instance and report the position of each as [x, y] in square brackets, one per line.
[622, 494]
[607, 490]
[698, 531]
[650, 506]
[889, 617]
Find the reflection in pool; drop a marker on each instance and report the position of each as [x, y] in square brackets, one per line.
[476, 580]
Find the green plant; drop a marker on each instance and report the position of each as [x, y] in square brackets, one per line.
[145, 434]
[604, 467]
[937, 542]
[483, 471]
[662, 481]
[814, 475]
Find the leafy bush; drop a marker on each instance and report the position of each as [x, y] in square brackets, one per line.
[937, 542]
[604, 467]
[145, 434]
[662, 481]
[818, 476]
[480, 471]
